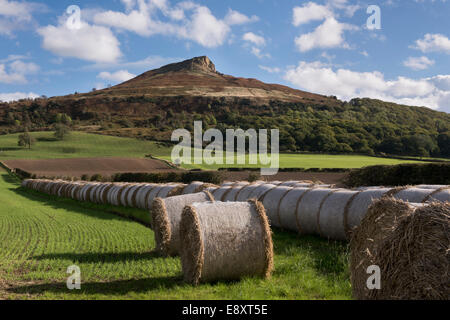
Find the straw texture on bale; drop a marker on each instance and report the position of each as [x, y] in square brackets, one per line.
[225, 241]
[166, 217]
[308, 209]
[330, 220]
[414, 258]
[288, 209]
[271, 201]
[357, 209]
[379, 222]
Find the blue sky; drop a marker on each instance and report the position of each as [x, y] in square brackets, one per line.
[319, 46]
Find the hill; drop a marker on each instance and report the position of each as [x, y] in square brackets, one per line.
[156, 102]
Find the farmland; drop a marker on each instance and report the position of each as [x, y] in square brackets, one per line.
[41, 236]
[84, 145]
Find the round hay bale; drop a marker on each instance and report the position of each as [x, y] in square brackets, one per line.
[192, 187]
[225, 241]
[130, 194]
[287, 213]
[414, 195]
[232, 193]
[441, 195]
[245, 192]
[160, 191]
[142, 195]
[308, 209]
[414, 258]
[271, 201]
[357, 209]
[105, 193]
[330, 220]
[379, 221]
[219, 193]
[260, 191]
[165, 220]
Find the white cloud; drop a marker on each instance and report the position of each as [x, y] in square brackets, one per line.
[206, 29]
[346, 84]
[254, 38]
[15, 72]
[186, 20]
[418, 63]
[90, 42]
[433, 43]
[345, 6]
[329, 34]
[237, 18]
[270, 69]
[16, 15]
[7, 97]
[258, 53]
[311, 11]
[118, 76]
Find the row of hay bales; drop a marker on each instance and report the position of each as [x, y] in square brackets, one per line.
[322, 210]
[302, 207]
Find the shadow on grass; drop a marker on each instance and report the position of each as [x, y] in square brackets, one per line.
[117, 287]
[95, 257]
[329, 257]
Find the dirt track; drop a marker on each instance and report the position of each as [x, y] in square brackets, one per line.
[89, 166]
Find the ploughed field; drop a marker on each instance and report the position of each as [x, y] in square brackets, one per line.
[90, 166]
[41, 236]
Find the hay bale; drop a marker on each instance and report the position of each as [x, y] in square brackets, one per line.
[330, 220]
[441, 195]
[414, 195]
[166, 216]
[308, 209]
[142, 195]
[245, 192]
[225, 241]
[232, 193]
[287, 213]
[271, 201]
[193, 187]
[259, 192]
[414, 258]
[357, 209]
[219, 193]
[379, 221]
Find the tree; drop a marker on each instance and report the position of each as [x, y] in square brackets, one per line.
[26, 140]
[61, 131]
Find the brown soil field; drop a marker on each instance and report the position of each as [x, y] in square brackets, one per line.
[78, 167]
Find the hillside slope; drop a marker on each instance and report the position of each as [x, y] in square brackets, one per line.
[159, 101]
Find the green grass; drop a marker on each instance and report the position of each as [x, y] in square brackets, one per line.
[79, 145]
[40, 236]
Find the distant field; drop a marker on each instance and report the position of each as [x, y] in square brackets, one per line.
[41, 236]
[84, 145]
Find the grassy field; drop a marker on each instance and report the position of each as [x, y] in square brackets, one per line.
[83, 145]
[40, 236]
